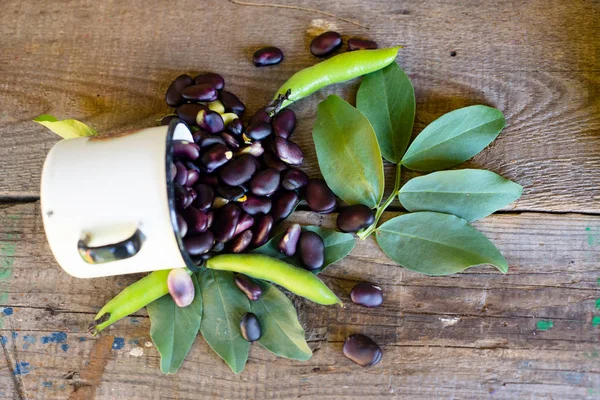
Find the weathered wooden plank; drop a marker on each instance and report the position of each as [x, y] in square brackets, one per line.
[108, 66]
[464, 336]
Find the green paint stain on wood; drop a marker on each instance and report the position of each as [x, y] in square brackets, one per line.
[597, 304]
[595, 321]
[544, 325]
[7, 259]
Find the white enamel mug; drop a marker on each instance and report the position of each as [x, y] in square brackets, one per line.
[107, 205]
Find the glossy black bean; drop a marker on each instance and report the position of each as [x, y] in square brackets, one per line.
[231, 102]
[265, 183]
[293, 179]
[239, 170]
[189, 111]
[288, 151]
[367, 295]
[193, 177]
[250, 288]
[182, 173]
[231, 193]
[284, 123]
[196, 220]
[225, 221]
[272, 161]
[311, 250]
[250, 327]
[246, 221]
[186, 150]
[210, 78]
[206, 195]
[172, 172]
[262, 227]
[208, 140]
[199, 244]
[289, 241]
[166, 120]
[215, 156]
[325, 44]
[230, 140]
[267, 56]
[256, 205]
[261, 115]
[354, 218]
[283, 204]
[208, 179]
[241, 242]
[203, 92]
[362, 350]
[210, 121]
[191, 192]
[318, 196]
[173, 95]
[235, 127]
[361, 44]
[255, 149]
[180, 196]
[258, 130]
[181, 225]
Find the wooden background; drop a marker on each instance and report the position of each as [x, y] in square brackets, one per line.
[473, 335]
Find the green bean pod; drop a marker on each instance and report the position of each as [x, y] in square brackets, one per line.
[296, 280]
[133, 298]
[339, 68]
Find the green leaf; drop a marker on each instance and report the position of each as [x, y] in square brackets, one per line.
[67, 128]
[348, 153]
[282, 334]
[436, 244]
[224, 306]
[337, 246]
[454, 138]
[174, 329]
[468, 193]
[387, 99]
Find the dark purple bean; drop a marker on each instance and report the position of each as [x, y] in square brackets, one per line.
[258, 131]
[284, 123]
[319, 197]
[361, 44]
[217, 247]
[239, 171]
[283, 205]
[272, 161]
[312, 250]
[189, 198]
[206, 195]
[193, 177]
[208, 140]
[215, 156]
[191, 166]
[203, 92]
[199, 244]
[367, 295]
[261, 230]
[210, 78]
[189, 111]
[231, 193]
[181, 287]
[172, 172]
[173, 94]
[180, 196]
[293, 179]
[362, 350]
[289, 241]
[210, 121]
[166, 120]
[186, 150]
[246, 221]
[265, 183]
[267, 56]
[210, 215]
[288, 151]
[354, 218]
[255, 149]
[225, 221]
[235, 127]
[250, 327]
[195, 219]
[231, 102]
[325, 44]
[256, 205]
[182, 227]
[230, 140]
[250, 288]
[261, 115]
[208, 179]
[191, 193]
[182, 173]
[241, 242]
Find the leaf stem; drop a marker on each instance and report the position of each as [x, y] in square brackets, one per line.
[381, 208]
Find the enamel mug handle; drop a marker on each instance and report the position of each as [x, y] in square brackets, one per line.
[110, 252]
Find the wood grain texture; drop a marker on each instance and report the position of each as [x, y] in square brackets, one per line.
[109, 65]
[462, 336]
